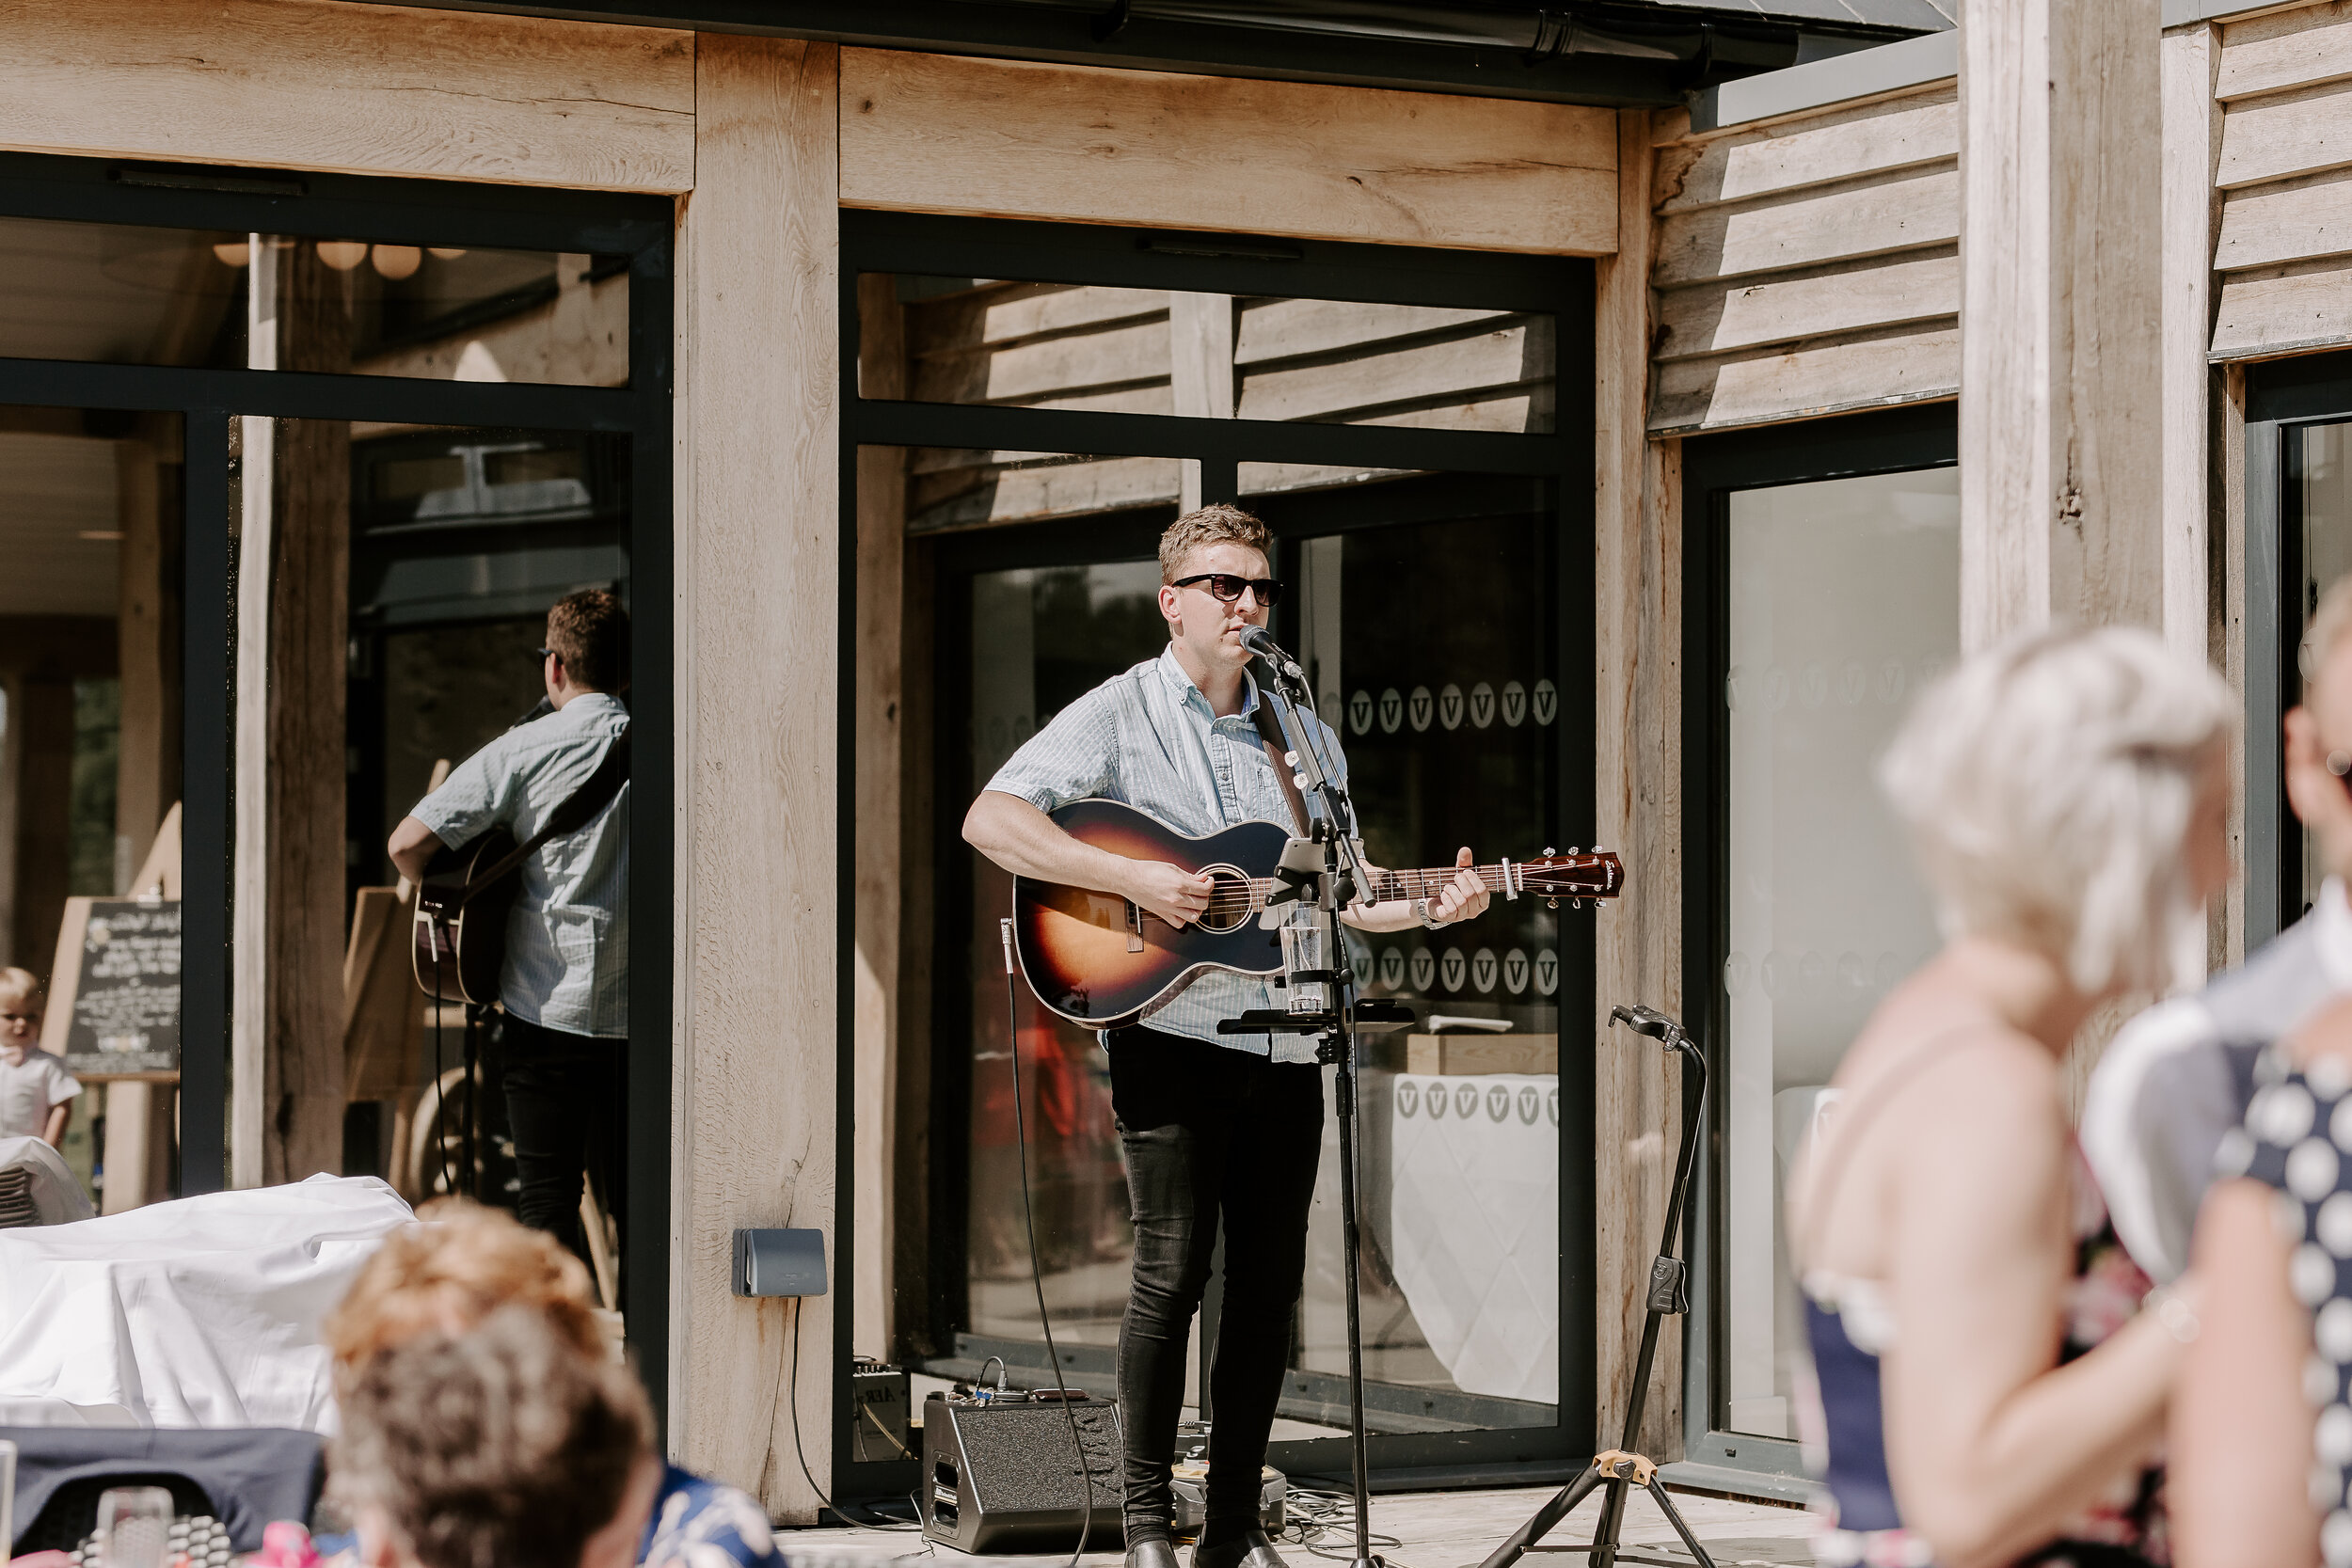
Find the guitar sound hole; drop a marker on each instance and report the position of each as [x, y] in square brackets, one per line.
[1228, 903]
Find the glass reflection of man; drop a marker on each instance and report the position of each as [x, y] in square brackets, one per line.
[564, 979]
[1218, 1129]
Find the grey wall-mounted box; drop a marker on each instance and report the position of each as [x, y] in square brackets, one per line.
[779, 1263]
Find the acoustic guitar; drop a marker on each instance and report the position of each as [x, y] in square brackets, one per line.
[1099, 959]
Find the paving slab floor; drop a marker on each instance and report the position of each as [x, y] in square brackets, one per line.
[1429, 1530]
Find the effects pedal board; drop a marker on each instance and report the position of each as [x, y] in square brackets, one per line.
[1191, 1485]
[998, 1475]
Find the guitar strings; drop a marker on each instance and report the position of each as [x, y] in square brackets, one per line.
[1243, 895]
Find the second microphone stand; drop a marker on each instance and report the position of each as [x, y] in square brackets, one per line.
[1624, 1467]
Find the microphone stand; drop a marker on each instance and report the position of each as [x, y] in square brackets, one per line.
[1330, 867]
[1624, 1467]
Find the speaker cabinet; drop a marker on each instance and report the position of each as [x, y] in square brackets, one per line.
[1000, 1476]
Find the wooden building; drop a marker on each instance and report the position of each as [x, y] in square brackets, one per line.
[1625, 394]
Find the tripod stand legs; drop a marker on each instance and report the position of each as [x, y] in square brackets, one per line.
[1674, 1517]
[1562, 1503]
[1623, 1474]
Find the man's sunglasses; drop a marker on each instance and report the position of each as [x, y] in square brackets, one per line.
[1228, 587]
[540, 655]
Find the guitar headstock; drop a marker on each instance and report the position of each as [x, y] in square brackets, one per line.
[1579, 874]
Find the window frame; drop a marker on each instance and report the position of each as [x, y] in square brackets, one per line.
[417, 211]
[1850, 446]
[2282, 398]
[878, 242]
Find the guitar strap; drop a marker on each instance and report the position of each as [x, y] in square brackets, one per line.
[593, 796]
[1270, 731]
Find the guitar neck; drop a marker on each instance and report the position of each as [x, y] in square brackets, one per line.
[1428, 884]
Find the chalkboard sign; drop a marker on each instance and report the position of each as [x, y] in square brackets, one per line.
[118, 983]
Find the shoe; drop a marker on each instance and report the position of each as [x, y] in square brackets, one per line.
[1249, 1549]
[1152, 1554]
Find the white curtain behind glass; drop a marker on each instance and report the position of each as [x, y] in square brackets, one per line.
[1845, 601]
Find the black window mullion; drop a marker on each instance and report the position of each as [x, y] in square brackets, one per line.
[308, 395]
[330, 206]
[206, 631]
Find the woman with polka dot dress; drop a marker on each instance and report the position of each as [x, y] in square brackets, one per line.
[1988, 1386]
[2261, 1428]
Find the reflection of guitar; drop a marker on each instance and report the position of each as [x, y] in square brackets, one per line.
[459, 924]
[1098, 959]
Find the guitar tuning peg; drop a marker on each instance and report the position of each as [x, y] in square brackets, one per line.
[1299, 779]
[1550, 851]
[1553, 903]
[1291, 757]
[1574, 850]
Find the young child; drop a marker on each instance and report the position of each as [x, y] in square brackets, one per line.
[36, 1091]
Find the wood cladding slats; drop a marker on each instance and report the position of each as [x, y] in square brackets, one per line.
[2271, 225]
[1045, 368]
[1810, 228]
[991, 315]
[1112, 350]
[2286, 49]
[1015, 138]
[1701, 322]
[2282, 245]
[1807, 267]
[1513, 355]
[2285, 310]
[1807, 381]
[2279, 137]
[1284, 329]
[1848, 145]
[356, 89]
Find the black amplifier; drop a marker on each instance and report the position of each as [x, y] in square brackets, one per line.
[999, 1476]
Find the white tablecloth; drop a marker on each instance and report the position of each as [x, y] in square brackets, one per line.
[199, 1313]
[1474, 1222]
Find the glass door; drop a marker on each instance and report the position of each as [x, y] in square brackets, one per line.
[1823, 594]
[1031, 407]
[1427, 619]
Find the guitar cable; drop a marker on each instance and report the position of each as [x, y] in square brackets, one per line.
[1037, 1269]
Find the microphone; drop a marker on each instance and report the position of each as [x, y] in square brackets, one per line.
[1256, 640]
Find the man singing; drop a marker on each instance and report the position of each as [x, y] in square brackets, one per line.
[1216, 1128]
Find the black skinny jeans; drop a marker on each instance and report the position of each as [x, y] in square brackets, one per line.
[567, 1110]
[1211, 1135]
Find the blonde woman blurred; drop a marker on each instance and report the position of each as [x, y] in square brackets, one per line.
[1988, 1390]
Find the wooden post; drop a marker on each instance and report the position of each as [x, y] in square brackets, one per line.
[294, 582]
[881, 690]
[146, 626]
[1637, 526]
[2061, 402]
[757, 996]
[2192, 152]
[1201, 370]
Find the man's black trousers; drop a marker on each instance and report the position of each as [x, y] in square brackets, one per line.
[1212, 1136]
[567, 1110]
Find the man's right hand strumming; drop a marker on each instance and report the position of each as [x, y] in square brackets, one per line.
[1173, 894]
[1023, 840]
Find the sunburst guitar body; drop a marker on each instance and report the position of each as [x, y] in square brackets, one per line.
[1100, 960]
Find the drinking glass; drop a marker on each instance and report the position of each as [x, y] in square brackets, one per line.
[134, 1524]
